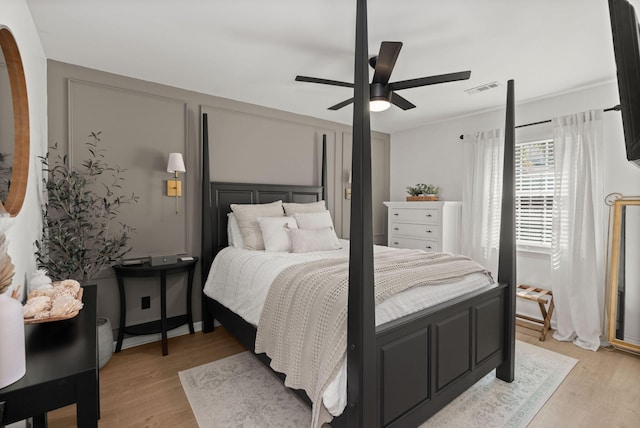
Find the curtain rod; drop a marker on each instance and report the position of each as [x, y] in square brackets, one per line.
[614, 108]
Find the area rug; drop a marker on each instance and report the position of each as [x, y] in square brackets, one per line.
[239, 391]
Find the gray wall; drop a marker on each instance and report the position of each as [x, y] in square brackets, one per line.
[142, 122]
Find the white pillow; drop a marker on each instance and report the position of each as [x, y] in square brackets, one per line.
[314, 220]
[247, 215]
[290, 208]
[275, 232]
[234, 237]
[306, 240]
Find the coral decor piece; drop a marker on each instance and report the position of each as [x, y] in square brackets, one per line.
[62, 300]
[38, 280]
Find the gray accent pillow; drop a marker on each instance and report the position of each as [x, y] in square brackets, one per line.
[247, 215]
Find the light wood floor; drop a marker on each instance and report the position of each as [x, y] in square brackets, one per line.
[140, 388]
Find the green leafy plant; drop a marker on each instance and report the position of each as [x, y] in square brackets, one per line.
[423, 189]
[80, 234]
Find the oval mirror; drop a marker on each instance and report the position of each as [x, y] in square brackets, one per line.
[14, 126]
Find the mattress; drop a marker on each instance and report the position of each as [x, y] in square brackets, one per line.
[240, 280]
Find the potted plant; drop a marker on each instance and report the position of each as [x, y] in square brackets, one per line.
[423, 192]
[80, 232]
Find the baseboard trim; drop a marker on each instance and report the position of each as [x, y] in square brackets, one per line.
[130, 342]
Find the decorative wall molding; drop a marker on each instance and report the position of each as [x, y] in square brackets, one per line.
[180, 242]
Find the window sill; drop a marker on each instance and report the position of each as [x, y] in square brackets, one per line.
[533, 249]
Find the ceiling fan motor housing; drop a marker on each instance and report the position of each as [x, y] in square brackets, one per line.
[379, 91]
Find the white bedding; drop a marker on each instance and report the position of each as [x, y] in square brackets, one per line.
[240, 280]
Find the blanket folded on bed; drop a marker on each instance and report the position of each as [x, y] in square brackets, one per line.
[303, 325]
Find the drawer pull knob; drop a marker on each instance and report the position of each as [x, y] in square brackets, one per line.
[395, 228]
[428, 215]
[428, 247]
[428, 231]
[395, 214]
[395, 243]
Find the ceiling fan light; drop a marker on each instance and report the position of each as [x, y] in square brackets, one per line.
[379, 105]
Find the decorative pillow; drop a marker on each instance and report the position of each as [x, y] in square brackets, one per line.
[306, 240]
[247, 215]
[234, 237]
[314, 220]
[275, 232]
[290, 208]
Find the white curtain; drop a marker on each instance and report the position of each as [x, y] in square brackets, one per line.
[577, 270]
[482, 197]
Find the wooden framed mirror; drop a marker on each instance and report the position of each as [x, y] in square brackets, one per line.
[14, 126]
[624, 275]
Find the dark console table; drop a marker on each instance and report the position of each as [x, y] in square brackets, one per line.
[62, 369]
[164, 324]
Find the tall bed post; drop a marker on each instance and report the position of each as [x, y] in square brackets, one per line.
[324, 167]
[362, 408]
[507, 255]
[206, 247]
[364, 382]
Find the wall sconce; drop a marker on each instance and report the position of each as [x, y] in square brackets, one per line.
[347, 190]
[175, 165]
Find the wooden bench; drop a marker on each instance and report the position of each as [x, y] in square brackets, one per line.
[542, 297]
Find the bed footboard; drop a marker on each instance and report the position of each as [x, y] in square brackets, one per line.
[425, 359]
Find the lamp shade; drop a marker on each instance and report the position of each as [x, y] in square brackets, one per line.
[176, 163]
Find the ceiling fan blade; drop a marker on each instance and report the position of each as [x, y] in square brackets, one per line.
[431, 80]
[323, 81]
[401, 102]
[385, 61]
[342, 104]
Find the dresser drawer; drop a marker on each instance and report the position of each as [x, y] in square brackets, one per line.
[429, 216]
[429, 231]
[422, 244]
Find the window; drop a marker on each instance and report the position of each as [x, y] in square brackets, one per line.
[534, 192]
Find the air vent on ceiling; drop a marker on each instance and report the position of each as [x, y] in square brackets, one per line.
[482, 88]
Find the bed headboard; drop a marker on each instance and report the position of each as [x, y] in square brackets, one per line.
[225, 194]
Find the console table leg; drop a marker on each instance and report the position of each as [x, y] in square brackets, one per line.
[123, 314]
[163, 312]
[189, 290]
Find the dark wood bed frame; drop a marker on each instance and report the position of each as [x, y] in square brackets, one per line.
[400, 373]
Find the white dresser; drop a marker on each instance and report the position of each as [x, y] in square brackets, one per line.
[430, 226]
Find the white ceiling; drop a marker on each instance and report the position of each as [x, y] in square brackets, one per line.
[251, 50]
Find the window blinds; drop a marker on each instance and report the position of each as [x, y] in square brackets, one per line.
[534, 192]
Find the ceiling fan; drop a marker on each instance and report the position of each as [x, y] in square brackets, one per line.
[382, 92]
